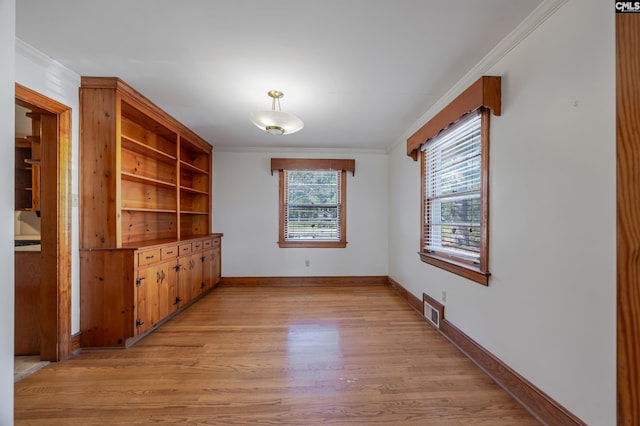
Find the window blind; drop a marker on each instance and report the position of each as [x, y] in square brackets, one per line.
[312, 201]
[452, 210]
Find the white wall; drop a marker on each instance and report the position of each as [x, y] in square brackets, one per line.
[549, 310]
[245, 209]
[38, 72]
[7, 109]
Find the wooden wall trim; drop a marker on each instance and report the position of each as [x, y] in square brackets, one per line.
[413, 301]
[75, 343]
[543, 407]
[485, 92]
[628, 220]
[348, 165]
[539, 404]
[341, 281]
[55, 293]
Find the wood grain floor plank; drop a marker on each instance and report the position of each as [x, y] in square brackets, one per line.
[276, 355]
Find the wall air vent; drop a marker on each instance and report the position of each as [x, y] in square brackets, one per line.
[432, 314]
[432, 310]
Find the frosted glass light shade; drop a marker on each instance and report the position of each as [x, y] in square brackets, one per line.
[276, 122]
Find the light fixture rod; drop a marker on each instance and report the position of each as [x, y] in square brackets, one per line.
[275, 96]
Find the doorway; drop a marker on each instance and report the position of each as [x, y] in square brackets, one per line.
[54, 294]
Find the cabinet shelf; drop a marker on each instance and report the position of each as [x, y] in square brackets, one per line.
[136, 209]
[190, 167]
[193, 212]
[144, 179]
[26, 175]
[141, 163]
[146, 150]
[193, 190]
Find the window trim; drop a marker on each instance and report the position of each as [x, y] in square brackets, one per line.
[344, 166]
[484, 94]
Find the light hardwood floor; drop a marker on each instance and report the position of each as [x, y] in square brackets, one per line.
[275, 355]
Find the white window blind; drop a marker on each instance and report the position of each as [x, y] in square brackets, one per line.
[312, 201]
[452, 210]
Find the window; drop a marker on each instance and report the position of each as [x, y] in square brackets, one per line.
[452, 198]
[454, 152]
[313, 200]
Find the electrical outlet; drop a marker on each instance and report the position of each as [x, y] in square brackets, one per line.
[307, 263]
[443, 297]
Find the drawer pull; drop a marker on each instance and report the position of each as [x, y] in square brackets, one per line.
[150, 257]
[169, 251]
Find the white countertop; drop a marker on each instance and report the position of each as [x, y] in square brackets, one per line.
[35, 247]
[27, 237]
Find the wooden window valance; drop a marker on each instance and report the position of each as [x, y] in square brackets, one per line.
[486, 92]
[313, 164]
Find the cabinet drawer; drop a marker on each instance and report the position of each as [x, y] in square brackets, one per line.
[148, 256]
[185, 248]
[216, 241]
[196, 245]
[208, 243]
[169, 252]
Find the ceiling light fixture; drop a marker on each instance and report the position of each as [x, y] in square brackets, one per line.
[275, 121]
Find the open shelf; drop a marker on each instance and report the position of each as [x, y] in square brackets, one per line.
[193, 225]
[195, 182]
[194, 157]
[146, 150]
[194, 202]
[191, 168]
[145, 175]
[150, 210]
[140, 226]
[138, 123]
[143, 179]
[133, 163]
[192, 190]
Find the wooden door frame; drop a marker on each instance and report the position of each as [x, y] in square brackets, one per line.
[628, 220]
[55, 289]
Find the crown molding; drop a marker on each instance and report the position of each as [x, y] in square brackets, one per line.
[540, 14]
[53, 67]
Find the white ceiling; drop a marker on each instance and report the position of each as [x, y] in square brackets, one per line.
[359, 73]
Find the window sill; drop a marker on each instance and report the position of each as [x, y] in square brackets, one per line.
[312, 244]
[458, 268]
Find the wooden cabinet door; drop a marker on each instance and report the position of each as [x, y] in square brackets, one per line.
[167, 281]
[208, 268]
[217, 265]
[184, 280]
[197, 285]
[146, 309]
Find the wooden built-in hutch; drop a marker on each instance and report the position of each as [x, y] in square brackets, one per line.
[147, 250]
